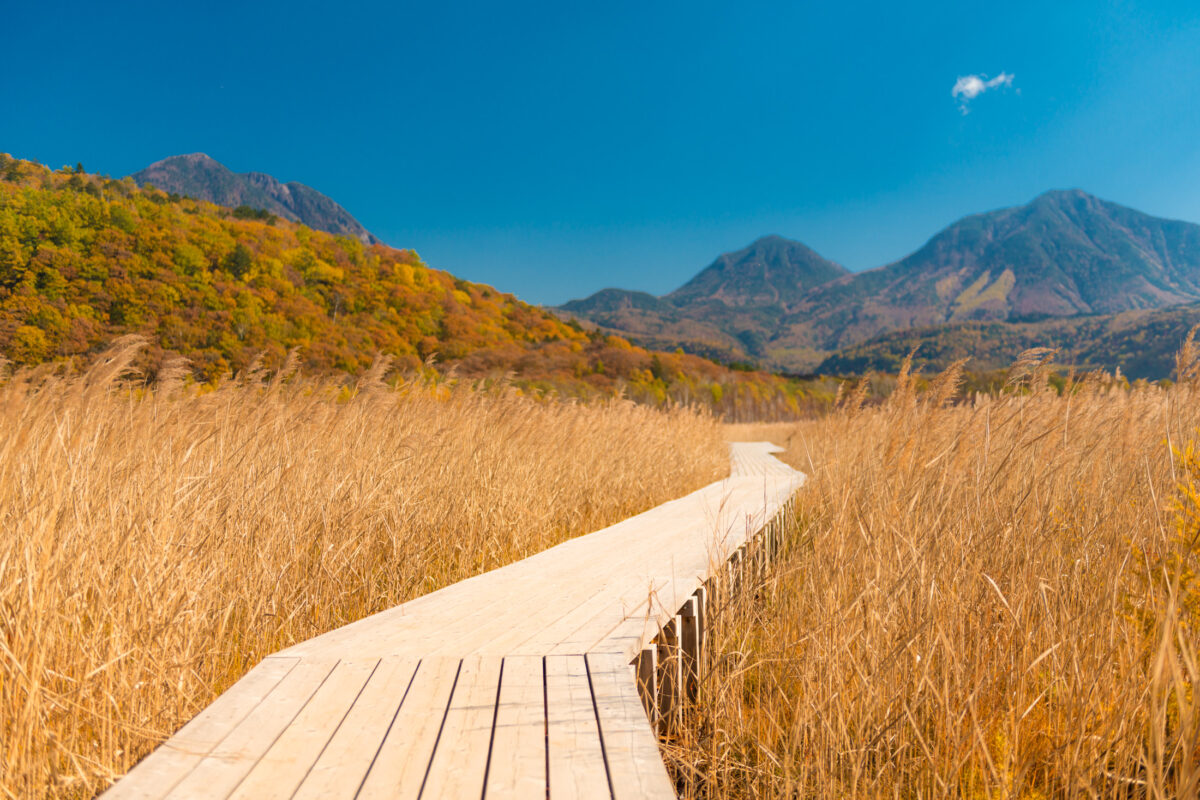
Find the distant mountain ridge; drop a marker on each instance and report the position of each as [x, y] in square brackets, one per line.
[1066, 253]
[727, 311]
[204, 178]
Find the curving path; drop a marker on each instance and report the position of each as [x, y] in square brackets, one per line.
[544, 678]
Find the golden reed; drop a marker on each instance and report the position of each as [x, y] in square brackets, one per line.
[156, 543]
[995, 598]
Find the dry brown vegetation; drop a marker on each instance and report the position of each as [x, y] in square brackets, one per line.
[155, 544]
[997, 598]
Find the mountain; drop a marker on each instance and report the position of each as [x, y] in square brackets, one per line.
[727, 311]
[613, 301]
[773, 271]
[1064, 254]
[203, 178]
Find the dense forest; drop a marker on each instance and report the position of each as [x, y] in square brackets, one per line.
[1140, 344]
[86, 258]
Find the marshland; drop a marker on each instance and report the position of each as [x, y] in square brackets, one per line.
[982, 595]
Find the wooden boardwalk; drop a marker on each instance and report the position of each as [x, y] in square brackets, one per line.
[545, 678]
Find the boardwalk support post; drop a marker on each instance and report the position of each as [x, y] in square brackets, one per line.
[670, 677]
[647, 681]
[689, 640]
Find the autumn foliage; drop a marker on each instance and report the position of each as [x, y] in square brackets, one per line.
[85, 259]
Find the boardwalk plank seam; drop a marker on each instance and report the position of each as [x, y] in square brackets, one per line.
[492, 738]
[599, 728]
[441, 728]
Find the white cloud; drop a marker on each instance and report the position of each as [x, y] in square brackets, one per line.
[968, 87]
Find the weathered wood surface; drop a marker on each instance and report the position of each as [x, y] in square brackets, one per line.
[518, 683]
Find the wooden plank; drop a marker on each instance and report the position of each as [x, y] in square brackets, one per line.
[407, 629]
[560, 604]
[618, 573]
[629, 571]
[284, 765]
[635, 766]
[734, 570]
[615, 618]
[459, 764]
[539, 610]
[230, 761]
[575, 632]
[628, 637]
[675, 558]
[403, 759]
[159, 772]
[343, 765]
[667, 582]
[633, 620]
[574, 750]
[517, 766]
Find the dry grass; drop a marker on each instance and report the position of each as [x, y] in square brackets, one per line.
[155, 545]
[995, 599]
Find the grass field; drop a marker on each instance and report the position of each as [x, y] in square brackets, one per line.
[991, 599]
[154, 545]
[981, 599]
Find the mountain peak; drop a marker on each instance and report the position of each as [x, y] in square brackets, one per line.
[201, 176]
[771, 270]
[772, 239]
[1064, 198]
[190, 160]
[1060, 194]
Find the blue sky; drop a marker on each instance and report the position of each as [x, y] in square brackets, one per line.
[552, 149]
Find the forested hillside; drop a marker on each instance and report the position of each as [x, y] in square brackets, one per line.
[1141, 344]
[84, 259]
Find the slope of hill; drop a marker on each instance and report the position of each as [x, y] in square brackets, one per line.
[1064, 254]
[653, 322]
[1142, 344]
[203, 178]
[85, 259]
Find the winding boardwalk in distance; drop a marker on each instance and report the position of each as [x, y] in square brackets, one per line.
[544, 678]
